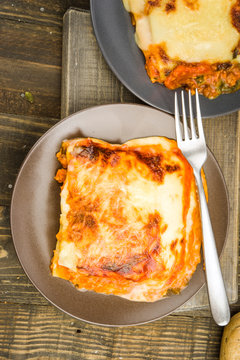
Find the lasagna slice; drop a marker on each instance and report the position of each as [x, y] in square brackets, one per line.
[130, 223]
[194, 44]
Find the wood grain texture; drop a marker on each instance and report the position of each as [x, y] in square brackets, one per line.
[31, 36]
[93, 83]
[18, 135]
[31, 42]
[21, 71]
[39, 11]
[223, 136]
[43, 332]
[14, 284]
[86, 78]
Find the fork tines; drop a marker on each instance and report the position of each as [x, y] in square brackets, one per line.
[193, 133]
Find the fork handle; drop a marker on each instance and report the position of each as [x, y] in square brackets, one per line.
[216, 290]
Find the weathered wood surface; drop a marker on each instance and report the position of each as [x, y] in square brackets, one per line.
[18, 135]
[100, 86]
[31, 328]
[31, 55]
[86, 78]
[30, 332]
[20, 71]
[39, 11]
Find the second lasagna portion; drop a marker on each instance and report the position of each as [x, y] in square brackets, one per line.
[190, 43]
[130, 223]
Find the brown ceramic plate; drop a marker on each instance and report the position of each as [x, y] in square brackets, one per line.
[35, 212]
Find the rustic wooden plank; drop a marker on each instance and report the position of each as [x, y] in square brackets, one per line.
[223, 138]
[93, 83]
[33, 64]
[41, 80]
[43, 332]
[43, 12]
[14, 284]
[18, 135]
[31, 42]
[86, 78]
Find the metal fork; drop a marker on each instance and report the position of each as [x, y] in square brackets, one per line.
[194, 149]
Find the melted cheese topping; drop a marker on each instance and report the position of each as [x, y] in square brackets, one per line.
[130, 222]
[203, 33]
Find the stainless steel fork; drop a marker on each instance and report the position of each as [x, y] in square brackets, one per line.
[194, 148]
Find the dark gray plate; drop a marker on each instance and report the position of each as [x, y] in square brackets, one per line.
[115, 36]
[36, 202]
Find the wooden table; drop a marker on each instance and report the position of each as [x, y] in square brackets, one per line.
[31, 328]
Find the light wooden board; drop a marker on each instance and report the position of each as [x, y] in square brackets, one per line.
[87, 81]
